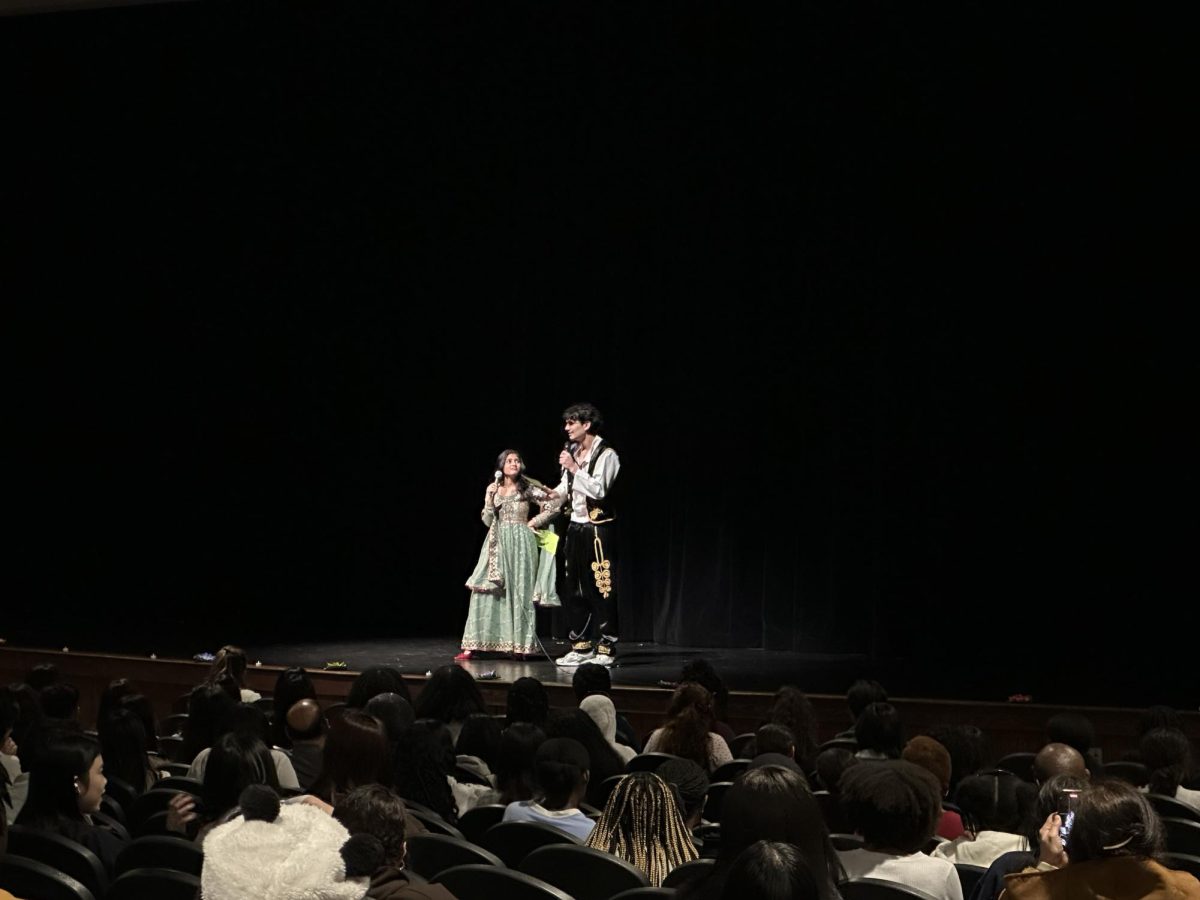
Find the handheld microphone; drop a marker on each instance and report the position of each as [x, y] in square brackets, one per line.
[499, 476]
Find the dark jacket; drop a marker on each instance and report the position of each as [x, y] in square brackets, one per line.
[390, 883]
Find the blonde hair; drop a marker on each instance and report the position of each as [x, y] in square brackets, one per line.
[641, 824]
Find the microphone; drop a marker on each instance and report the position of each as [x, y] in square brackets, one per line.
[498, 475]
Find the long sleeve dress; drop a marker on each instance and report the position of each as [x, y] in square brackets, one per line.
[512, 575]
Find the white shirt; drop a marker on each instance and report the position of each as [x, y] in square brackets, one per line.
[594, 486]
[283, 768]
[935, 877]
[982, 851]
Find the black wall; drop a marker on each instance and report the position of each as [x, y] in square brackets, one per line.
[871, 296]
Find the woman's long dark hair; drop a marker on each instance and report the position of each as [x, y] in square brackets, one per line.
[689, 721]
[123, 743]
[210, 714]
[514, 762]
[53, 800]
[605, 762]
[424, 759]
[1167, 754]
[521, 481]
[235, 762]
[356, 753]
[794, 711]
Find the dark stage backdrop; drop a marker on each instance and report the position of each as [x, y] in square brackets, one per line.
[866, 293]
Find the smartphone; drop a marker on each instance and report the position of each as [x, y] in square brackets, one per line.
[1066, 813]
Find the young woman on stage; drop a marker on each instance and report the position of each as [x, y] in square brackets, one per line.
[514, 571]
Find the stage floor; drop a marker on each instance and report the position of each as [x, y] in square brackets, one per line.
[637, 663]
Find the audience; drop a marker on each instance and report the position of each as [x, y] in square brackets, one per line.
[793, 711]
[770, 870]
[1058, 759]
[477, 749]
[424, 768]
[527, 701]
[376, 810]
[770, 803]
[1167, 755]
[688, 729]
[1113, 852]
[375, 680]
[123, 745]
[603, 759]
[969, 748]
[992, 814]
[305, 727]
[601, 710]
[450, 695]
[1076, 730]
[931, 756]
[515, 778]
[394, 711]
[701, 671]
[878, 732]
[561, 771]
[690, 784]
[356, 753]
[861, 694]
[591, 678]
[230, 662]
[292, 686]
[895, 806]
[642, 825]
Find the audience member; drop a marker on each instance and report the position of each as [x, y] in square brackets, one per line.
[377, 810]
[561, 771]
[642, 825]
[770, 803]
[233, 763]
[773, 738]
[140, 705]
[690, 784]
[969, 748]
[514, 764]
[477, 749]
[111, 696]
[603, 759]
[991, 884]
[210, 715]
[16, 780]
[992, 815]
[424, 768]
[230, 661]
[1113, 852]
[123, 745]
[770, 870]
[830, 764]
[1058, 759]
[878, 732]
[305, 726]
[895, 806]
[292, 686]
[1076, 730]
[701, 671]
[60, 701]
[931, 756]
[1167, 754]
[595, 679]
[356, 753]
[688, 729]
[601, 710]
[375, 680]
[794, 711]
[450, 695]
[42, 675]
[527, 701]
[861, 694]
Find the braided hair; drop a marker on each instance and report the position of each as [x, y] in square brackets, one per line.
[641, 824]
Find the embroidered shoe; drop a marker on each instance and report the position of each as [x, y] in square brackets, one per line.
[605, 654]
[466, 654]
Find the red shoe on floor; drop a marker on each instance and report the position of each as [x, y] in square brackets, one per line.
[466, 654]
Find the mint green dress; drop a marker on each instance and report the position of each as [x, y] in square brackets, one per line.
[513, 574]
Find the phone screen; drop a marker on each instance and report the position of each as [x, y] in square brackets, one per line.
[1066, 813]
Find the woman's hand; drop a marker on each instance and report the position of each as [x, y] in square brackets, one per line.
[317, 802]
[181, 812]
[531, 526]
[9, 747]
[1051, 845]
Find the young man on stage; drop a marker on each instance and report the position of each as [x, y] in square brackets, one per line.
[590, 468]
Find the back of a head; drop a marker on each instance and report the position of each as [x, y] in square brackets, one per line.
[559, 765]
[42, 675]
[211, 713]
[990, 801]
[229, 660]
[292, 686]
[968, 746]
[304, 720]
[514, 761]
[774, 803]
[1058, 759]
[377, 810]
[394, 711]
[60, 700]
[578, 725]
[479, 737]
[931, 756]
[123, 742]
[1048, 802]
[111, 696]
[894, 804]
[831, 763]
[375, 680]
[449, 695]
[862, 694]
[701, 671]
[772, 738]
[1167, 754]
[642, 824]
[1113, 818]
[690, 783]
[793, 710]
[1159, 716]
[591, 678]
[356, 752]
[878, 729]
[1071, 728]
[770, 870]
[235, 762]
[527, 701]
